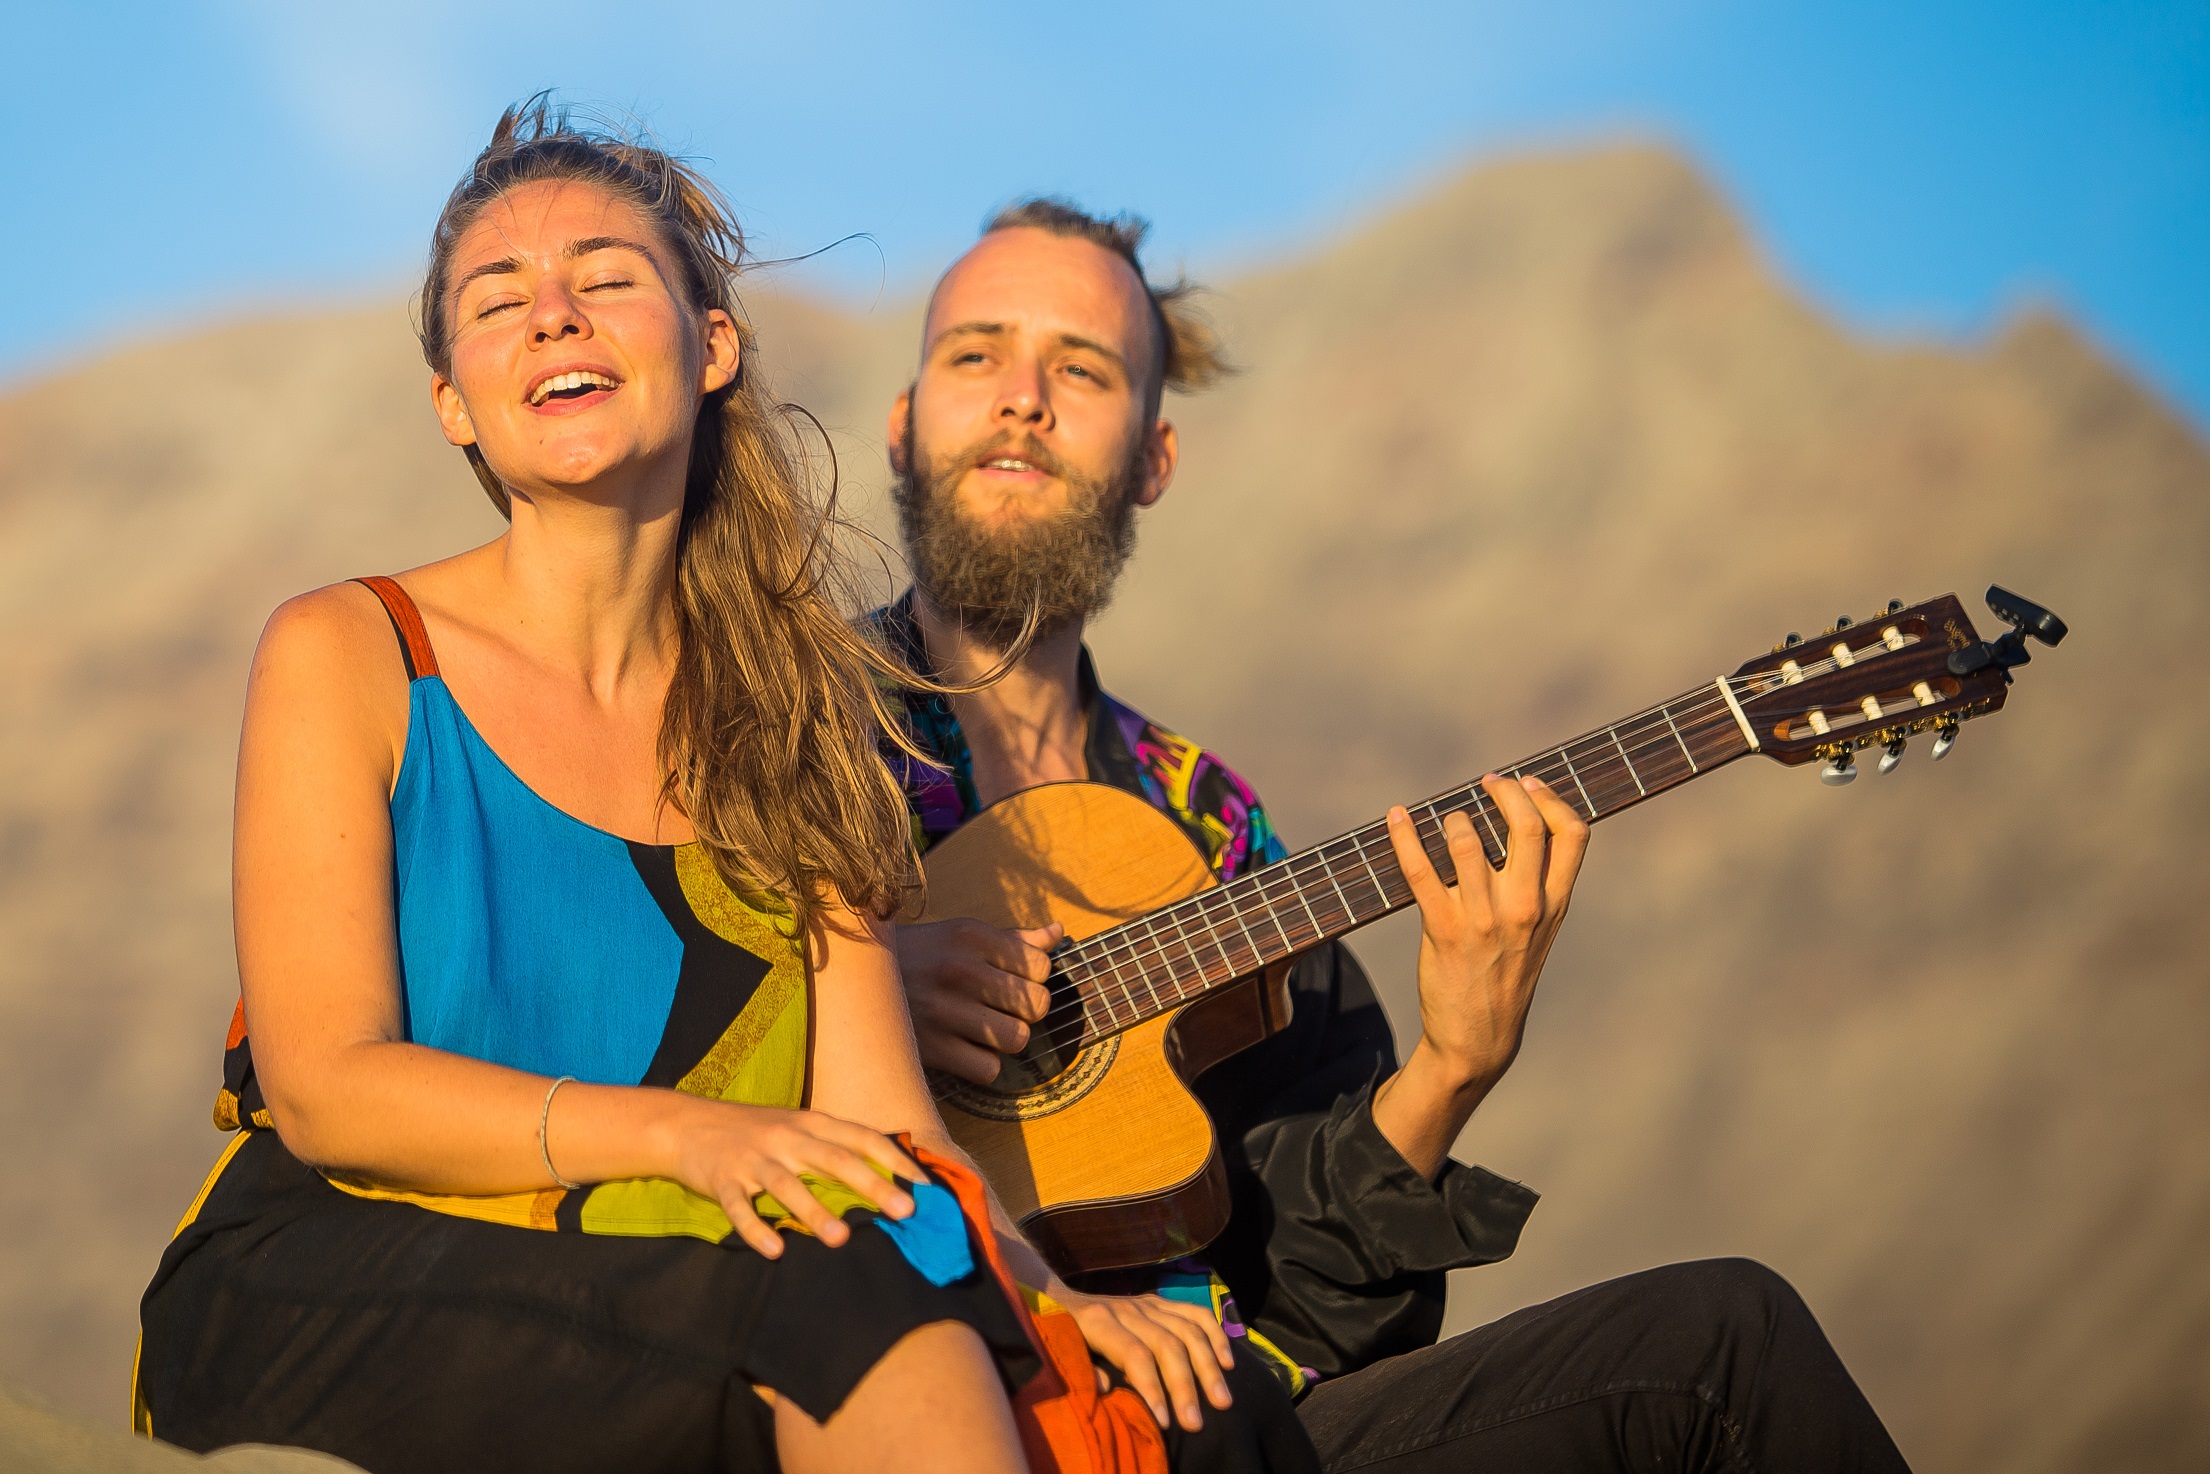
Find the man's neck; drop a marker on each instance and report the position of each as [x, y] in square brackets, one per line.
[1027, 728]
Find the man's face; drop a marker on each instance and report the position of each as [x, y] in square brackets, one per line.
[1027, 440]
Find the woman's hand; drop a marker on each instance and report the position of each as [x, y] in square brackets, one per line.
[1165, 1349]
[732, 1152]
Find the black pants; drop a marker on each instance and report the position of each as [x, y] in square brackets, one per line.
[1713, 1365]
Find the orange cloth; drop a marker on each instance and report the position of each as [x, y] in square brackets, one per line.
[1067, 1425]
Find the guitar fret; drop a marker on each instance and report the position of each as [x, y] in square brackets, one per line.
[1667, 712]
[1574, 773]
[1639, 790]
[1481, 798]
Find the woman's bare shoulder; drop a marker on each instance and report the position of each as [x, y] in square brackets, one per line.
[341, 629]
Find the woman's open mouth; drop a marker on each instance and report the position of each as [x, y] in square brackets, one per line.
[572, 387]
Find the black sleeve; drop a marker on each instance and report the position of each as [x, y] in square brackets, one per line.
[1337, 1249]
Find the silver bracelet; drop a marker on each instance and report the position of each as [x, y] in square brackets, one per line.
[543, 1117]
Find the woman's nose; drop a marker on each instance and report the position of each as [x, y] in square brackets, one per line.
[556, 314]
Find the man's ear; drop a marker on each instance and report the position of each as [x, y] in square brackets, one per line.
[901, 417]
[452, 414]
[1162, 452]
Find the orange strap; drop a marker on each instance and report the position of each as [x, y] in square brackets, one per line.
[406, 622]
[1067, 1425]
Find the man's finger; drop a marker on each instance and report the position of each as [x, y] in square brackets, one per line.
[1204, 1358]
[1568, 842]
[1475, 878]
[1201, 1317]
[1175, 1363]
[1419, 871]
[979, 1023]
[1012, 995]
[1138, 1368]
[1527, 835]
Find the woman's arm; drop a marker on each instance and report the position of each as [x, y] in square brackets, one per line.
[867, 1068]
[325, 728]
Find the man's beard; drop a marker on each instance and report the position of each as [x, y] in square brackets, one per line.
[987, 579]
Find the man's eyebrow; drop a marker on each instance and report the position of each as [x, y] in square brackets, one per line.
[975, 329]
[980, 329]
[575, 250]
[1076, 340]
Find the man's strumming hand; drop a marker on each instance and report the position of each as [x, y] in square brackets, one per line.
[974, 990]
[1482, 946]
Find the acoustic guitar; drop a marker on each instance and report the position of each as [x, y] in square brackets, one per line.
[1091, 1135]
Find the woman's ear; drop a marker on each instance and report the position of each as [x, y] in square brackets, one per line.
[452, 412]
[724, 352]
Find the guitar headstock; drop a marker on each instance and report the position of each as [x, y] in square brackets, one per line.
[1881, 681]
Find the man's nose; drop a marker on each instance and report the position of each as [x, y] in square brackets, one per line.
[1023, 396]
[555, 314]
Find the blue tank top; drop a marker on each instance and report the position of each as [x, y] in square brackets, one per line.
[531, 939]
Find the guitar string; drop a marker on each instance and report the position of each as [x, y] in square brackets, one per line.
[1172, 926]
[1093, 973]
[1089, 955]
[1146, 942]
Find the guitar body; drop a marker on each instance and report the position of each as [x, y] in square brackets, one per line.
[1103, 1156]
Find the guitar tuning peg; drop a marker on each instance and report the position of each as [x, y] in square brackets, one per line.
[1944, 739]
[1843, 622]
[1793, 639]
[1895, 606]
[1840, 771]
[1890, 756]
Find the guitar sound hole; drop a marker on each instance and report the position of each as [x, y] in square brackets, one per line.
[1032, 1085]
[1047, 1075]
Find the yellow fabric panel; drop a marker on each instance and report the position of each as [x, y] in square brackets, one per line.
[655, 1207]
[761, 923]
[761, 1058]
[517, 1210]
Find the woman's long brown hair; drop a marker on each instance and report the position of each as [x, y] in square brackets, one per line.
[769, 737]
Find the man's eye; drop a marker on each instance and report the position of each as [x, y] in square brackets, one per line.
[491, 309]
[617, 281]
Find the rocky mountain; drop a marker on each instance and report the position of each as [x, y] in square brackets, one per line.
[1534, 451]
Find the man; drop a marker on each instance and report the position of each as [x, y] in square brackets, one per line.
[1028, 440]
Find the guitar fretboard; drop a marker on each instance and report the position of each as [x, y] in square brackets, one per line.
[1140, 970]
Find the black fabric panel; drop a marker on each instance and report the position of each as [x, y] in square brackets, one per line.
[409, 1340]
[718, 978]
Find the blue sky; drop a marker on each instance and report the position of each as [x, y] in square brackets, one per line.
[1915, 167]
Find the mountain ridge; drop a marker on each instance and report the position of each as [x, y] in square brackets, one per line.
[1525, 454]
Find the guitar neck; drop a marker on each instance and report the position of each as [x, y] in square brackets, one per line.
[1143, 968]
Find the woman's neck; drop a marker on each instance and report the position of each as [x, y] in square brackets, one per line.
[588, 587]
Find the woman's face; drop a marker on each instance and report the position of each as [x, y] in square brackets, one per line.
[575, 356]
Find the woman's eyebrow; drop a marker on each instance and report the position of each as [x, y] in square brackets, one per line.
[584, 247]
[574, 250]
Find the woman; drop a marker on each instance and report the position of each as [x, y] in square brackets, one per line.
[531, 835]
